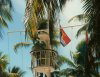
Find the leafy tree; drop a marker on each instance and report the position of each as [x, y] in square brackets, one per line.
[5, 13]
[90, 54]
[37, 11]
[3, 64]
[92, 9]
[84, 19]
[74, 69]
[15, 72]
[42, 26]
[77, 64]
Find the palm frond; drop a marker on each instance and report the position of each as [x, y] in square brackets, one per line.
[5, 13]
[37, 10]
[55, 43]
[3, 23]
[68, 72]
[39, 45]
[80, 17]
[15, 72]
[82, 49]
[21, 44]
[5, 9]
[63, 59]
[84, 28]
[81, 45]
[3, 61]
[76, 56]
[55, 74]
[6, 2]
[62, 3]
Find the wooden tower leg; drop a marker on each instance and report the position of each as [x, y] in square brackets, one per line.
[48, 73]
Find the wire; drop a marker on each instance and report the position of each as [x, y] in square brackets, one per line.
[57, 28]
[16, 31]
[73, 26]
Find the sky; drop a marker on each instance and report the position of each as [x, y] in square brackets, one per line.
[23, 58]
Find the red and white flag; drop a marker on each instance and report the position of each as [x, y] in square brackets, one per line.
[64, 39]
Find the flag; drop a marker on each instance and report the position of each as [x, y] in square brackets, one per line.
[64, 39]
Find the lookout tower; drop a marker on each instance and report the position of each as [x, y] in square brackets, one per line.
[43, 56]
[43, 59]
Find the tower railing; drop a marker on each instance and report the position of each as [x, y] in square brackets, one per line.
[46, 57]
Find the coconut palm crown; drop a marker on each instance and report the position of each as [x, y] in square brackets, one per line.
[37, 11]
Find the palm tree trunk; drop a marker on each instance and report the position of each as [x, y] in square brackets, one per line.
[49, 26]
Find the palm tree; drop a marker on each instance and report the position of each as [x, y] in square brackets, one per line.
[74, 69]
[82, 48]
[15, 72]
[84, 19]
[38, 10]
[3, 61]
[92, 9]
[87, 28]
[36, 42]
[3, 64]
[37, 45]
[77, 64]
[5, 13]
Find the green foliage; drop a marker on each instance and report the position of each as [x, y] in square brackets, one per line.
[39, 11]
[74, 69]
[80, 17]
[5, 13]
[3, 65]
[21, 44]
[63, 59]
[42, 25]
[77, 63]
[39, 45]
[84, 28]
[3, 61]
[91, 10]
[15, 72]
